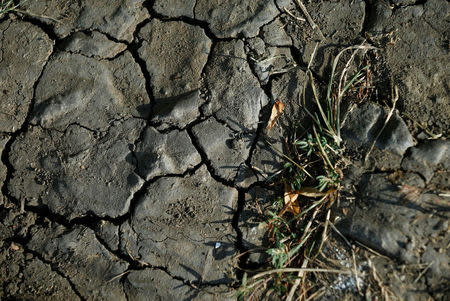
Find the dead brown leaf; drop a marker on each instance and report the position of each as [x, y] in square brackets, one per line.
[311, 192]
[14, 247]
[410, 193]
[291, 197]
[277, 110]
[290, 200]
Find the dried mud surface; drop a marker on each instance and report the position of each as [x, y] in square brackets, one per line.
[132, 140]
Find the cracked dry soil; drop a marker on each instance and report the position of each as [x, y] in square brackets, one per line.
[132, 144]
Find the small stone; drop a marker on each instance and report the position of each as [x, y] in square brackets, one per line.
[395, 136]
[364, 123]
[425, 157]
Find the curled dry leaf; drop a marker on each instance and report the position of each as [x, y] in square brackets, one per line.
[277, 110]
[290, 200]
[291, 197]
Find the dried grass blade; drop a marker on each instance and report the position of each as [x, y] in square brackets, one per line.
[291, 270]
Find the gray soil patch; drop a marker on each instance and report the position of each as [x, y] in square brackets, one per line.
[135, 152]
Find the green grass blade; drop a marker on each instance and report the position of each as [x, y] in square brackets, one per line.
[353, 79]
[319, 106]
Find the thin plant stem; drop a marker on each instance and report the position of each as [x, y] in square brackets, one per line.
[290, 160]
[391, 111]
[324, 154]
[290, 270]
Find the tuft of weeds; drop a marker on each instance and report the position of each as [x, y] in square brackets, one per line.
[298, 220]
[7, 6]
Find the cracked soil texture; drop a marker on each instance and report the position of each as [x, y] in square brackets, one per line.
[133, 143]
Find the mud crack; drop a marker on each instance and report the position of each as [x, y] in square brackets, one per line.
[22, 130]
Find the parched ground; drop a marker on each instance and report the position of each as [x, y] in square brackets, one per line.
[132, 140]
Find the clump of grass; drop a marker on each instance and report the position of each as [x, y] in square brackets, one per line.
[299, 220]
[7, 6]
